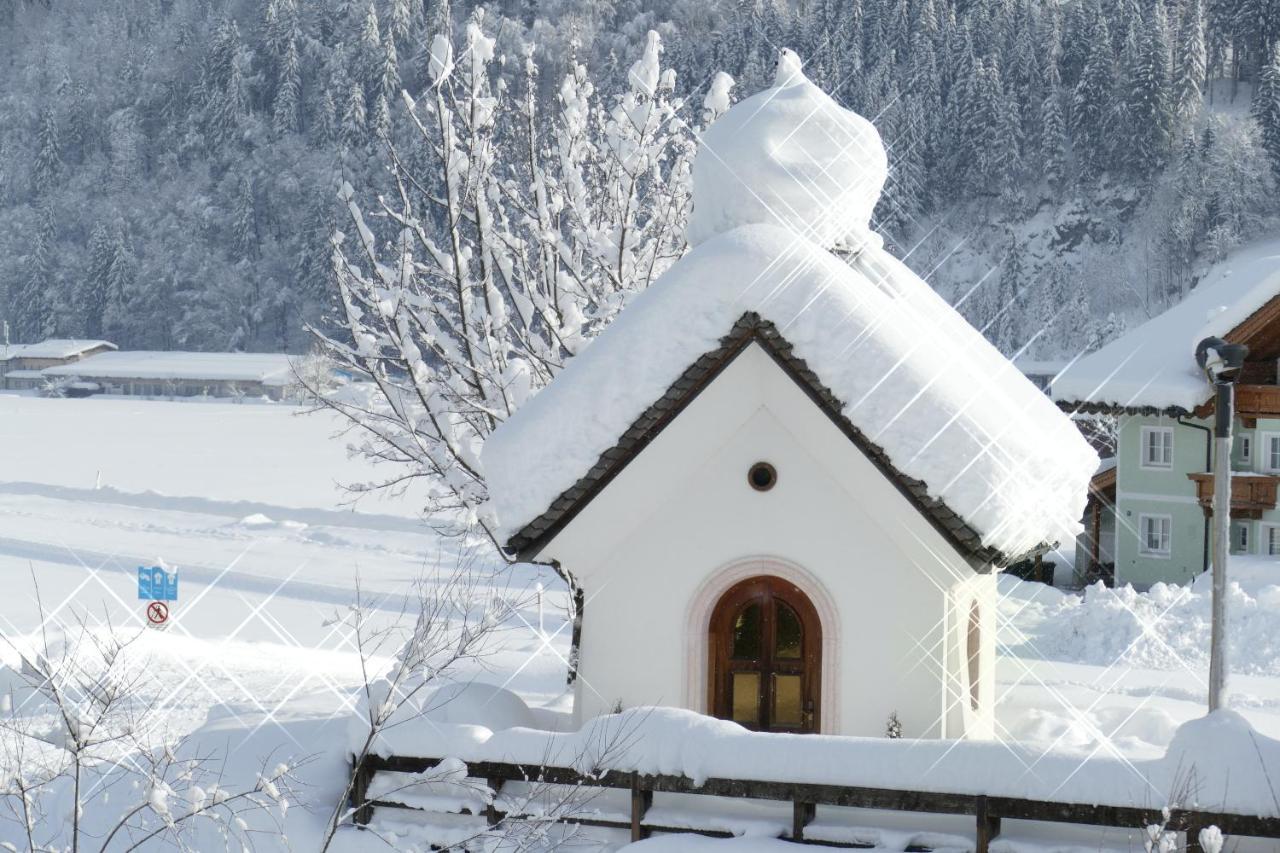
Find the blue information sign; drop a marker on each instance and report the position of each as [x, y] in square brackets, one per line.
[155, 584]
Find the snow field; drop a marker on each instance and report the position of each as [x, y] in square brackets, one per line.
[255, 668]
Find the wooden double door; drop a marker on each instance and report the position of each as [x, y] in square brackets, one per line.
[766, 647]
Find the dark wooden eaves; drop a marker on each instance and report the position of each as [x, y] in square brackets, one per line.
[750, 328]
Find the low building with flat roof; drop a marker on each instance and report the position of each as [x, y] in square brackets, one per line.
[21, 364]
[150, 373]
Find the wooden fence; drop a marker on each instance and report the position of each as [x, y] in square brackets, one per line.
[987, 812]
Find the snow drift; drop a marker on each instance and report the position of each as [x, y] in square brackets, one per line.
[1229, 758]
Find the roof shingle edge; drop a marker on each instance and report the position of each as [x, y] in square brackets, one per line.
[749, 328]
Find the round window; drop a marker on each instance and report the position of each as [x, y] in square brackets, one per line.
[762, 476]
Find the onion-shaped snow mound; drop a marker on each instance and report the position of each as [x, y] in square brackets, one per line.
[789, 156]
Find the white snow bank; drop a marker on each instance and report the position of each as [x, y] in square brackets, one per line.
[789, 156]
[1229, 758]
[1154, 365]
[1164, 628]
[471, 704]
[916, 378]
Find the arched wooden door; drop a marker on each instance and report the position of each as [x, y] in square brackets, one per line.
[766, 650]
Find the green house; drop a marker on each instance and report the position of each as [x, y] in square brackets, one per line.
[1149, 515]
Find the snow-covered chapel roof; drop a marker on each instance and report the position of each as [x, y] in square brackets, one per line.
[1153, 368]
[975, 445]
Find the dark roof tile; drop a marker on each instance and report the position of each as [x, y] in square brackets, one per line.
[750, 327]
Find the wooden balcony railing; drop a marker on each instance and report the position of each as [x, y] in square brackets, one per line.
[1251, 494]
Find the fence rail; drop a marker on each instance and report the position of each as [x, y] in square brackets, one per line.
[988, 812]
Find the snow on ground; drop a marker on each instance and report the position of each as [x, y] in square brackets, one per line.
[263, 455]
[242, 500]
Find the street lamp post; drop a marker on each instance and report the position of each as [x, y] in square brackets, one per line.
[1221, 363]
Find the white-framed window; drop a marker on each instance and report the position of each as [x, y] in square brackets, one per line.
[1271, 451]
[1270, 544]
[1157, 447]
[1155, 535]
[1245, 443]
[1240, 538]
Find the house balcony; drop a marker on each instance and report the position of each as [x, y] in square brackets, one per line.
[1251, 494]
[1253, 401]
[1257, 401]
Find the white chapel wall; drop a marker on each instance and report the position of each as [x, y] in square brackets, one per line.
[681, 519]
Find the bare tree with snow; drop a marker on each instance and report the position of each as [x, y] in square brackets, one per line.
[73, 733]
[456, 628]
[514, 237]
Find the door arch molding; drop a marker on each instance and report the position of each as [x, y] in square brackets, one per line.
[702, 606]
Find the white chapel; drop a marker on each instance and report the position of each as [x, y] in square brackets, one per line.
[784, 480]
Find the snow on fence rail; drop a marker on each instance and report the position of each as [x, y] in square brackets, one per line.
[1217, 771]
[988, 812]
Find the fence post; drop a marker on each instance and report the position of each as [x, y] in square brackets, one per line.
[988, 826]
[641, 800]
[491, 809]
[802, 814]
[1192, 826]
[361, 776]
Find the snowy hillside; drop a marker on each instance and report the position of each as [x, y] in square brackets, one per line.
[169, 171]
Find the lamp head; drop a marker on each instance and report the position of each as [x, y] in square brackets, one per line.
[1220, 361]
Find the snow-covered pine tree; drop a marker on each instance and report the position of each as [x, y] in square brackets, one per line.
[520, 237]
[1266, 109]
[1148, 104]
[287, 110]
[222, 83]
[389, 80]
[30, 300]
[49, 154]
[354, 122]
[104, 285]
[1007, 308]
[1189, 61]
[1053, 139]
[329, 124]
[1091, 103]
[246, 222]
[370, 57]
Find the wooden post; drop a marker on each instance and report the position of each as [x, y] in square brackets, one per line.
[491, 810]
[802, 814]
[361, 776]
[1191, 842]
[988, 827]
[641, 800]
[1096, 535]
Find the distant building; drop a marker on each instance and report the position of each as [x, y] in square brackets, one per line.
[145, 373]
[1149, 513]
[21, 364]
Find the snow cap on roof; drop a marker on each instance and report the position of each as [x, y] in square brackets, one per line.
[1154, 366]
[266, 367]
[52, 348]
[789, 156]
[919, 384]
[917, 380]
